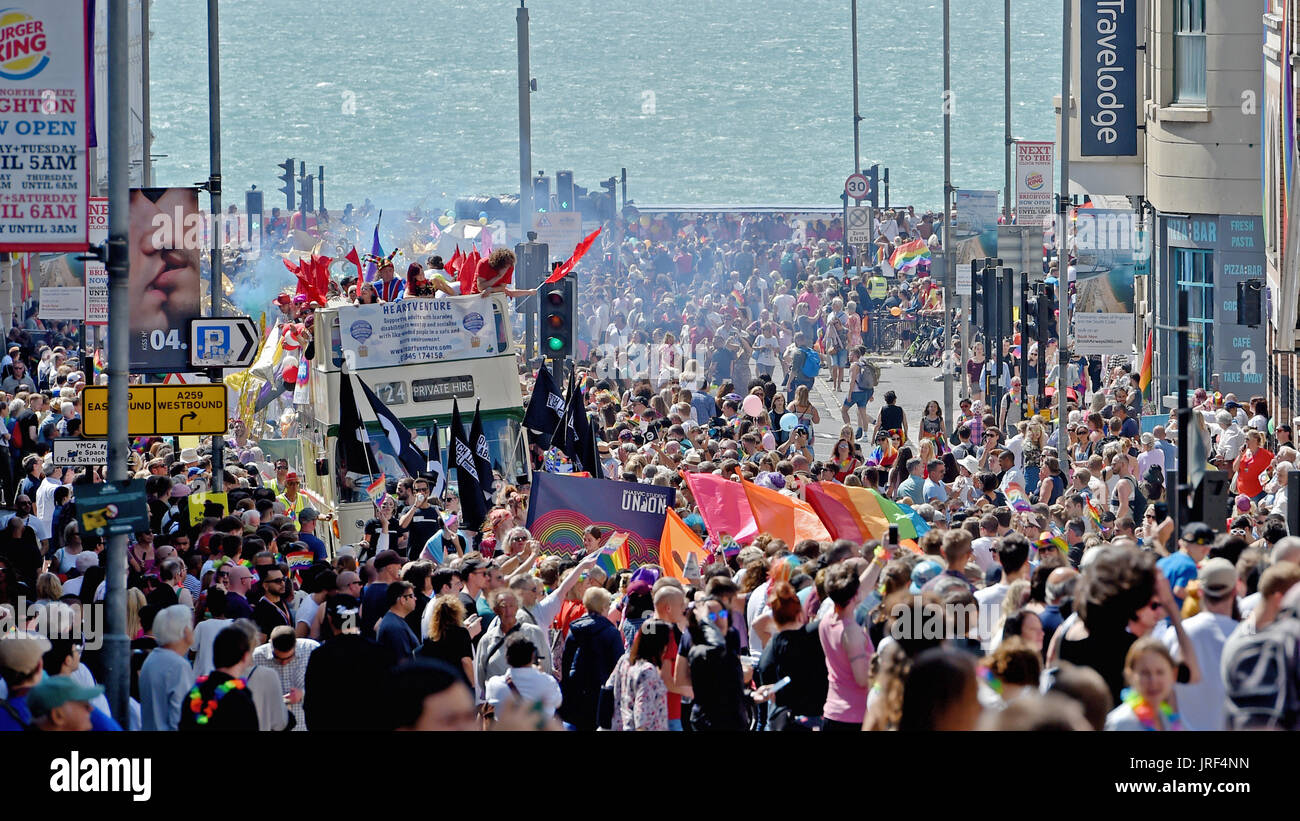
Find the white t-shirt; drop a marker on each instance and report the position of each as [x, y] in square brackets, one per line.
[765, 350]
[204, 634]
[306, 613]
[1201, 704]
[783, 306]
[533, 686]
[755, 608]
[982, 553]
[990, 605]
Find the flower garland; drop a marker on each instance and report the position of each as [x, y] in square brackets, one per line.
[203, 710]
[1146, 714]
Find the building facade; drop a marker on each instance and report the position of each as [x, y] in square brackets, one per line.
[1186, 152]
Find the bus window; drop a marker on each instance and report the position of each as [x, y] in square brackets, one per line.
[336, 340]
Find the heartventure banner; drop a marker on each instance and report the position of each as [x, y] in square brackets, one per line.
[44, 182]
[409, 331]
[1108, 115]
[560, 507]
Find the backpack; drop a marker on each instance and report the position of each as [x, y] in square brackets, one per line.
[1262, 676]
[812, 363]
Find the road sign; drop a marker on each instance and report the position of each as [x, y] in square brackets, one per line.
[160, 410]
[223, 342]
[80, 452]
[860, 225]
[857, 186]
[110, 508]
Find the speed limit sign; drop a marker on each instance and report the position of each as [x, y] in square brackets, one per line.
[857, 186]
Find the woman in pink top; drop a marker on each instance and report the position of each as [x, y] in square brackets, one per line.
[848, 652]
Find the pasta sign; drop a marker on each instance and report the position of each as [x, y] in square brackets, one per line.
[1108, 78]
[43, 139]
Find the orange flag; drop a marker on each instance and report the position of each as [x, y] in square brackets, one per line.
[785, 517]
[676, 544]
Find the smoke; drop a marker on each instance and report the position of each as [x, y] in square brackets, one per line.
[256, 288]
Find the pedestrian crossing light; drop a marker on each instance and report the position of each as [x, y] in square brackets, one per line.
[556, 300]
[289, 188]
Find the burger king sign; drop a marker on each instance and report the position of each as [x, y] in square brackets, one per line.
[43, 127]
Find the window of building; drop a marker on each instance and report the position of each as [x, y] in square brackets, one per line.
[1189, 51]
[1194, 272]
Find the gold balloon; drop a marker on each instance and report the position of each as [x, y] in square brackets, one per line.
[896, 311]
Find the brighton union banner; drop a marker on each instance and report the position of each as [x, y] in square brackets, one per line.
[560, 507]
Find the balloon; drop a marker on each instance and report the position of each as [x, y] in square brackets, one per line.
[769, 441]
[482, 220]
[896, 311]
[789, 422]
[444, 220]
[289, 369]
[752, 406]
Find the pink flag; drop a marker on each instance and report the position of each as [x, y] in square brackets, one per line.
[435, 231]
[485, 241]
[724, 507]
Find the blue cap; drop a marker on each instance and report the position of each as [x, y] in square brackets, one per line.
[923, 574]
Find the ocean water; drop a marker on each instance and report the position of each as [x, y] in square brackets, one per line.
[703, 101]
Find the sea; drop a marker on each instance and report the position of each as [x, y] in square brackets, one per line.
[723, 102]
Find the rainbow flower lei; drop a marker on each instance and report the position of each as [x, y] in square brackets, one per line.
[204, 709]
[1146, 714]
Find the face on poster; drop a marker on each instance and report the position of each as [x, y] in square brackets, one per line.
[165, 239]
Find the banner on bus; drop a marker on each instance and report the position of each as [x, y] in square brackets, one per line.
[412, 331]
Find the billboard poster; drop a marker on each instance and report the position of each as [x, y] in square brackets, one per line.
[164, 240]
[1035, 163]
[135, 94]
[411, 331]
[96, 279]
[976, 228]
[1109, 246]
[1108, 113]
[44, 180]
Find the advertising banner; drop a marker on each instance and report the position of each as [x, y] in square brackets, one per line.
[1108, 245]
[44, 180]
[1035, 163]
[560, 507]
[976, 228]
[1108, 114]
[96, 274]
[62, 303]
[411, 331]
[163, 245]
[134, 90]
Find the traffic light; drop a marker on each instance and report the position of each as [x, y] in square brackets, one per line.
[309, 192]
[556, 301]
[873, 196]
[289, 189]
[541, 193]
[564, 192]
[531, 259]
[1046, 321]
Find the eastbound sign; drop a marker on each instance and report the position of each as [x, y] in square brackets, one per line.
[160, 410]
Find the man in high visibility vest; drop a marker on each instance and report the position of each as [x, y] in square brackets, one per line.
[294, 501]
[877, 289]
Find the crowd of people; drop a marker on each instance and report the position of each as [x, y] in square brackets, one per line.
[1047, 588]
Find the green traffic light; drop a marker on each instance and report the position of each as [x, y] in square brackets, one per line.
[554, 343]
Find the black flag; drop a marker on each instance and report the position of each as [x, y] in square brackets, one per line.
[434, 464]
[482, 456]
[545, 407]
[473, 509]
[353, 447]
[574, 436]
[399, 437]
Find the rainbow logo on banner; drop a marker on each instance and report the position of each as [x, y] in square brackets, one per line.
[561, 507]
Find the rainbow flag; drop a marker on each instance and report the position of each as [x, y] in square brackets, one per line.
[909, 254]
[1017, 497]
[1093, 512]
[614, 554]
[1145, 379]
[1049, 542]
[375, 489]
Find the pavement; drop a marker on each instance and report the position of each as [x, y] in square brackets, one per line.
[915, 388]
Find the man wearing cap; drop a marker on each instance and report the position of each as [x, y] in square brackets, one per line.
[1180, 568]
[22, 669]
[307, 520]
[294, 502]
[1202, 704]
